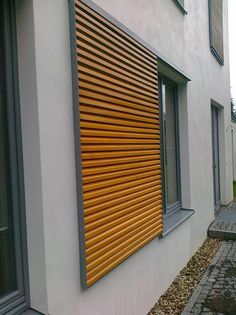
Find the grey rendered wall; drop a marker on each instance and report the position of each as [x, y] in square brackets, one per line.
[49, 157]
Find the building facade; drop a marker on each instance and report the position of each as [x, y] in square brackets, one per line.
[116, 137]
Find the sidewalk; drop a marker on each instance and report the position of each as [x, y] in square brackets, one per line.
[224, 225]
[216, 292]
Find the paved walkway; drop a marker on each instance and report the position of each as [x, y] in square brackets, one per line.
[224, 225]
[216, 292]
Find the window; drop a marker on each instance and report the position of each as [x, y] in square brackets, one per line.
[180, 4]
[13, 288]
[170, 145]
[216, 29]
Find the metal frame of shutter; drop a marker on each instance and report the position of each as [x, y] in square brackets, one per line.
[216, 29]
[117, 135]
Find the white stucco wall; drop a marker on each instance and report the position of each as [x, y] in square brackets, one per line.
[49, 157]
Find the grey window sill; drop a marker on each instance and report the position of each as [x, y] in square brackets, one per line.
[31, 312]
[215, 54]
[173, 220]
[181, 7]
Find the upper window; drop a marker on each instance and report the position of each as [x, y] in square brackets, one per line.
[170, 145]
[180, 4]
[216, 29]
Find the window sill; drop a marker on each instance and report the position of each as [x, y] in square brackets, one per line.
[173, 220]
[181, 7]
[217, 57]
[31, 312]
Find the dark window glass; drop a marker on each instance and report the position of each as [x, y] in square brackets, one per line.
[7, 251]
[170, 145]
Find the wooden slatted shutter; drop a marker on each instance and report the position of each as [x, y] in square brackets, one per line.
[216, 28]
[120, 142]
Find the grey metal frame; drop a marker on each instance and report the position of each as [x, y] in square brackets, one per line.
[217, 203]
[161, 59]
[177, 205]
[180, 4]
[80, 203]
[19, 300]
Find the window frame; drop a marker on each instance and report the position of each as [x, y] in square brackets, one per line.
[17, 300]
[169, 209]
[181, 5]
[214, 51]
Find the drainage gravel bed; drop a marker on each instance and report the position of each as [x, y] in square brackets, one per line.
[173, 301]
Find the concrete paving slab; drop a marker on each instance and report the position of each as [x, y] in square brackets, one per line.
[224, 225]
[219, 296]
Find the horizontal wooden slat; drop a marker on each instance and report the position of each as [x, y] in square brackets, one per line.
[119, 160]
[117, 232]
[85, 68]
[118, 167]
[116, 47]
[140, 105]
[86, 25]
[103, 140]
[104, 90]
[114, 87]
[121, 223]
[133, 247]
[113, 54]
[125, 180]
[129, 211]
[121, 135]
[94, 197]
[117, 105]
[118, 210]
[118, 147]
[110, 110]
[111, 181]
[109, 201]
[111, 154]
[109, 250]
[115, 121]
[90, 20]
[117, 174]
[83, 46]
[99, 248]
[81, 6]
[120, 142]
[104, 62]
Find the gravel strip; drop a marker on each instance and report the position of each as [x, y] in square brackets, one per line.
[177, 295]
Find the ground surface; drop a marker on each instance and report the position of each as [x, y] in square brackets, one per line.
[216, 293]
[224, 225]
[178, 294]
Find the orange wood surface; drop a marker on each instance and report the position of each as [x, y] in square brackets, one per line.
[120, 142]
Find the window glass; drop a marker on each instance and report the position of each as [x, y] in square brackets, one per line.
[7, 256]
[170, 144]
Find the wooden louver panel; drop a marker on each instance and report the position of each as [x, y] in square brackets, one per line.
[120, 142]
[216, 28]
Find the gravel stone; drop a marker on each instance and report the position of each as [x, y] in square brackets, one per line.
[173, 301]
